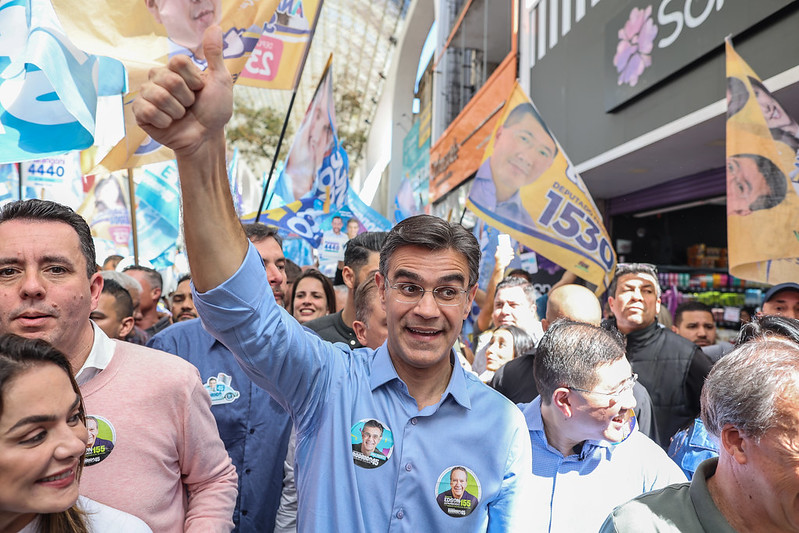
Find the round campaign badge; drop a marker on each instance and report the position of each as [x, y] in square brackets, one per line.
[101, 439]
[458, 491]
[372, 443]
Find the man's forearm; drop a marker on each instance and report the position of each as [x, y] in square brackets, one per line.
[215, 240]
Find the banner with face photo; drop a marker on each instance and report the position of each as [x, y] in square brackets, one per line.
[143, 34]
[277, 59]
[762, 200]
[526, 187]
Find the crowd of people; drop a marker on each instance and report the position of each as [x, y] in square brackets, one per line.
[260, 404]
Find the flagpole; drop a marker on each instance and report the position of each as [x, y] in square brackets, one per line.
[277, 152]
[132, 196]
[288, 113]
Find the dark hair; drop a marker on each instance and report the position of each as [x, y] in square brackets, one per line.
[514, 281]
[17, 356]
[258, 231]
[358, 249]
[775, 179]
[624, 269]
[327, 286]
[739, 95]
[115, 258]
[767, 327]
[522, 341]
[462, 469]
[526, 108]
[687, 307]
[365, 297]
[45, 210]
[373, 424]
[123, 303]
[744, 387]
[292, 271]
[434, 234]
[520, 272]
[152, 275]
[569, 354]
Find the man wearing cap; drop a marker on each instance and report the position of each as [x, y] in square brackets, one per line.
[782, 300]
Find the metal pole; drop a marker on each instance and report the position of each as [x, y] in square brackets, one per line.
[132, 196]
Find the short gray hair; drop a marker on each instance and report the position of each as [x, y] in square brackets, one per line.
[744, 387]
[128, 282]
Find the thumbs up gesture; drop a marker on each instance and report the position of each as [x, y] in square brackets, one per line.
[183, 107]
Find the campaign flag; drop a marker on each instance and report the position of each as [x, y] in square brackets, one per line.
[158, 213]
[277, 59]
[106, 209]
[56, 178]
[9, 184]
[48, 87]
[526, 187]
[762, 179]
[143, 35]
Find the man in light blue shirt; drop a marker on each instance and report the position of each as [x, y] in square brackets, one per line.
[435, 416]
[586, 446]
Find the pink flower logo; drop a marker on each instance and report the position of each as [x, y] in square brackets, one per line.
[636, 41]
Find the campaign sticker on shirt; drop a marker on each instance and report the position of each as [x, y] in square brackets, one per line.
[220, 389]
[457, 491]
[372, 443]
[101, 439]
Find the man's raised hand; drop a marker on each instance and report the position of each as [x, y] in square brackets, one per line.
[182, 107]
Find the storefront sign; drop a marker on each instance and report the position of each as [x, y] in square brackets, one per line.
[649, 40]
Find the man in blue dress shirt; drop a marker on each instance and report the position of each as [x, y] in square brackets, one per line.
[413, 384]
[586, 446]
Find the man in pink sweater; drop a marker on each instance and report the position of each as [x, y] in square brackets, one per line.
[167, 464]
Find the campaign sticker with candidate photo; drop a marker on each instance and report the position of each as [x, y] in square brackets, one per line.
[101, 439]
[372, 443]
[457, 491]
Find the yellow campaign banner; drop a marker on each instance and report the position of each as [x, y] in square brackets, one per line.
[277, 59]
[143, 34]
[527, 187]
[762, 200]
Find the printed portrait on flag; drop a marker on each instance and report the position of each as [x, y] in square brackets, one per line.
[527, 188]
[762, 200]
[143, 34]
[313, 141]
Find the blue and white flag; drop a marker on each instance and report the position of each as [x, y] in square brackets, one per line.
[48, 88]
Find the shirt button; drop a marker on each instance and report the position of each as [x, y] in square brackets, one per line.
[400, 514]
[413, 421]
[408, 467]
[244, 512]
[352, 343]
[252, 431]
[247, 471]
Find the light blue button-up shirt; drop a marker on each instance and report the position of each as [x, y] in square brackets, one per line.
[329, 389]
[577, 492]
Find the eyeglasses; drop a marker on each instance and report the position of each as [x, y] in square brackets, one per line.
[625, 387]
[411, 293]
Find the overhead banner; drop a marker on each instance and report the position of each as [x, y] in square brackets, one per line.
[762, 179]
[526, 187]
[144, 34]
[48, 88]
[277, 59]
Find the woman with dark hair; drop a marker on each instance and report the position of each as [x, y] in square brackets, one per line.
[313, 297]
[507, 342]
[42, 446]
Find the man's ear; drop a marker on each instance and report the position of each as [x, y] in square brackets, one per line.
[735, 443]
[381, 288]
[349, 277]
[675, 330]
[360, 331]
[125, 327]
[561, 399]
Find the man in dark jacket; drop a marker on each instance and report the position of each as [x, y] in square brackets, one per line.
[672, 368]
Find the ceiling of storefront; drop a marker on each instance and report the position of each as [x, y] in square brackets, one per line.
[691, 151]
[362, 36]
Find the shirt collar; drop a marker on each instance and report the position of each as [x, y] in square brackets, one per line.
[383, 371]
[99, 357]
[535, 423]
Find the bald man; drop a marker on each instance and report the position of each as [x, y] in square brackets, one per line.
[515, 379]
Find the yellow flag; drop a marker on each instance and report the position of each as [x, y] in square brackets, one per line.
[527, 187]
[762, 202]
